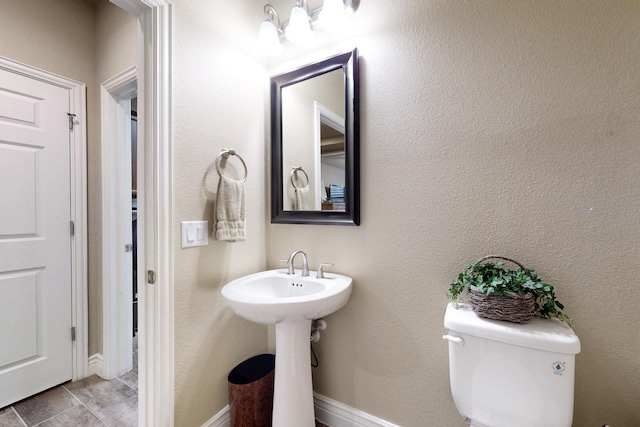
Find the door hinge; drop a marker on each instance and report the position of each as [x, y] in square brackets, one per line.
[72, 228]
[71, 121]
[151, 277]
[73, 333]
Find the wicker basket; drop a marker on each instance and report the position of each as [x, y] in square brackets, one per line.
[511, 308]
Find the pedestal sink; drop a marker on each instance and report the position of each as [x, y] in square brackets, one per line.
[290, 302]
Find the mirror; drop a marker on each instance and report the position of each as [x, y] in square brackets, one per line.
[315, 165]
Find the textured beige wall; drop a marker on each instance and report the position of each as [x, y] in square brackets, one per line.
[516, 124]
[38, 33]
[88, 42]
[486, 127]
[116, 40]
[219, 98]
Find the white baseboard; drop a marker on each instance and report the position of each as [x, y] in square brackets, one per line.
[336, 414]
[328, 411]
[96, 365]
[221, 419]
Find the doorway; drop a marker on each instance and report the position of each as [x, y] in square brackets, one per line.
[155, 241]
[118, 201]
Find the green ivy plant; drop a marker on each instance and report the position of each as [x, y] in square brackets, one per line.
[491, 278]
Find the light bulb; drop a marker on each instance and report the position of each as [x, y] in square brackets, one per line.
[333, 18]
[269, 41]
[299, 29]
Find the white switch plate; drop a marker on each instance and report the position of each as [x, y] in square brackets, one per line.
[195, 233]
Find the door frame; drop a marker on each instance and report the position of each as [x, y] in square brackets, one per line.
[78, 211]
[117, 313]
[155, 240]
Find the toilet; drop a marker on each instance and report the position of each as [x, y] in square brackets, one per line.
[505, 374]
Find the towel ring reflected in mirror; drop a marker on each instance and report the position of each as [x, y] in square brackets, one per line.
[226, 153]
[294, 172]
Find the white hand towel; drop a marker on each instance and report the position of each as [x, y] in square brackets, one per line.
[229, 216]
[302, 199]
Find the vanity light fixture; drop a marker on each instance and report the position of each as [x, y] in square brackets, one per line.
[269, 38]
[331, 17]
[299, 29]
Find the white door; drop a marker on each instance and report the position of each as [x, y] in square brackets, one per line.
[35, 241]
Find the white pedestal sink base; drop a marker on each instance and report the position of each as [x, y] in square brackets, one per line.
[287, 300]
[293, 390]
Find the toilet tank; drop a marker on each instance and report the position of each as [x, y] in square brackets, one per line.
[506, 374]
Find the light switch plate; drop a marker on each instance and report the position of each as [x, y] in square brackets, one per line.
[195, 233]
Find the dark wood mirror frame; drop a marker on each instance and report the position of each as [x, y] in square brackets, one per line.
[351, 215]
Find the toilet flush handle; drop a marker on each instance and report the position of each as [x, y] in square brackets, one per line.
[457, 340]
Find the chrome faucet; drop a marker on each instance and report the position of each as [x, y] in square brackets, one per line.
[305, 266]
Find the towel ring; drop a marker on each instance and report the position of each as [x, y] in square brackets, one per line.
[227, 153]
[293, 172]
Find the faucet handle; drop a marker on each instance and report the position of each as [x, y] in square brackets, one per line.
[290, 267]
[320, 273]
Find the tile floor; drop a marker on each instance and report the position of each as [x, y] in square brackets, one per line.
[91, 402]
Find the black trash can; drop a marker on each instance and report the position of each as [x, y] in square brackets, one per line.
[251, 392]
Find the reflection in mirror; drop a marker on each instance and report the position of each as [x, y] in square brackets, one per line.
[309, 107]
[315, 143]
[330, 143]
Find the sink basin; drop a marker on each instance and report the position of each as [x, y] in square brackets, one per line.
[291, 302]
[272, 296]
